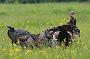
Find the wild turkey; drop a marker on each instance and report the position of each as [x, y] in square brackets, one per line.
[73, 19]
[67, 30]
[45, 38]
[15, 34]
[61, 33]
[72, 22]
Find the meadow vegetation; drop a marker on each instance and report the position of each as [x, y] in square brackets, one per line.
[38, 17]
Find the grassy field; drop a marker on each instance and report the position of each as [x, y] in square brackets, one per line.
[38, 17]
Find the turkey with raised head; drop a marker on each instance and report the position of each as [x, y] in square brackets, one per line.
[72, 20]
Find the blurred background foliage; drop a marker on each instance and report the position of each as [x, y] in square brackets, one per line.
[40, 1]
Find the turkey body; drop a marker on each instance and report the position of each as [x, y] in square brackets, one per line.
[20, 34]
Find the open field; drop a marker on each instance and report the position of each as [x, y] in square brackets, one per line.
[38, 17]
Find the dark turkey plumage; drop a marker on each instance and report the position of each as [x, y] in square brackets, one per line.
[68, 30]
[15, 34]
[72, 20]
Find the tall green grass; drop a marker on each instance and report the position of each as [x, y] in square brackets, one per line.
[38, 17]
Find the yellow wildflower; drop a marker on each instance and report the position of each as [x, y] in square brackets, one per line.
[11, 51]
[17, 49]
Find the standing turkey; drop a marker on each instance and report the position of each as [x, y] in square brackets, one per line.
[15, 34]
[72, 22]
[61, 33]
[72, 19]
[67, 31]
